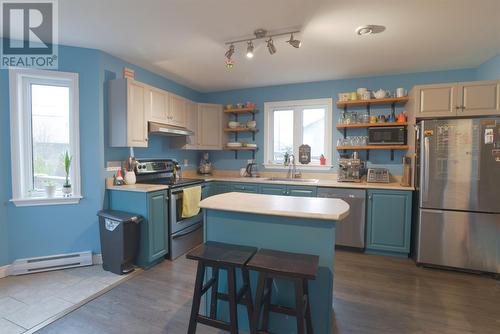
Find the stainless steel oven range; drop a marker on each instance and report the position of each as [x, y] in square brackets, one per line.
[183, 233]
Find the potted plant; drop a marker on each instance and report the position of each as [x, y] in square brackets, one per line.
[67, 165]
[50, 189]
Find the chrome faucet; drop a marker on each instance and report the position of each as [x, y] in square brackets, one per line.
[293, 172]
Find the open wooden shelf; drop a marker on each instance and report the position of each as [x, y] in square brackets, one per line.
[241, 110]
[241, 148]
[374, 147]
[367, 125]
[241, 130]
[386, 101]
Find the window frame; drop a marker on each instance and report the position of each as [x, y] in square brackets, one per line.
[21, 134]
[297, 106]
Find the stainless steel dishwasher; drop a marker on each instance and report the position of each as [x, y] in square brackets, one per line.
[350, 232]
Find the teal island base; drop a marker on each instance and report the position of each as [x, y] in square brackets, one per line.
[290, 234]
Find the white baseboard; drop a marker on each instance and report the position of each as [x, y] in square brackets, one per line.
[4, 271]
[96, 259]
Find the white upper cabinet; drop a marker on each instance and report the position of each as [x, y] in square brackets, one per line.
[479, 98]
[128, 113]
[205, 120]
[436, 100]
[159, 105]
[210, 126]
[475, 98]
[177, 110]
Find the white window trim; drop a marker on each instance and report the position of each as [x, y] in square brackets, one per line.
[268, 130]
[21, 136]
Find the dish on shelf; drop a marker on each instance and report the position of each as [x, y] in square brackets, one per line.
[228, 106]
[234, 144]
[251, 124]
[233, 124]
[250, 145]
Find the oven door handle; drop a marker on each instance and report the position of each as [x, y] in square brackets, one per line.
[189, 231]
[174, 192]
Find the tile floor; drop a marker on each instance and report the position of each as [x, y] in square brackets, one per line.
[30, 300]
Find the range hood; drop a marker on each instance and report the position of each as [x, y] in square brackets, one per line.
[168, 130]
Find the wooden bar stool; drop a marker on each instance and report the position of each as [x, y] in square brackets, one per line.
[218, 256]
[298, 268]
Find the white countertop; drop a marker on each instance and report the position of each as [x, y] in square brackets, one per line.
[285, 206]
[320, 183]
[138, 187]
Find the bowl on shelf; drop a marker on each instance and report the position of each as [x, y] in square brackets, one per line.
[251, 124]
[344, 97]
[380, 94]
[252, 145]
[233, 124]
[229, 106]
[234, 144]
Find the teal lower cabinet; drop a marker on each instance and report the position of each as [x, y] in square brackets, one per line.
[153, 243]
[273, 189]
[388, 222]
[245, 187]
[216, 187]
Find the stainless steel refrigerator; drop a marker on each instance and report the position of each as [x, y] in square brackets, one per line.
[458, 180]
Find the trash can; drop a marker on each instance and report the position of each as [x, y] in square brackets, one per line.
[119, 240]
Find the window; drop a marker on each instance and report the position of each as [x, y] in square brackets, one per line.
[44, 125]
[289, 124]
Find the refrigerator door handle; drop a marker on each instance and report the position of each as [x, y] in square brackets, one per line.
[426, 169]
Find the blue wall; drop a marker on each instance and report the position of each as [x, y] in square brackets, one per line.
[327, 89]
[489, 70]
[4, 247]
[45, 230]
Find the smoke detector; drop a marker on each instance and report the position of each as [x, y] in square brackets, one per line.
[369, 29]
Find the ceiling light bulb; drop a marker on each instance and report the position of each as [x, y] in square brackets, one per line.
[294, 42]
[230, 52]
[250, 50]
[270, 46]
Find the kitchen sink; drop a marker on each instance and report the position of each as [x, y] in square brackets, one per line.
[286, 179]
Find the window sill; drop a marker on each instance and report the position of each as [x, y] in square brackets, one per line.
[300, 167]
[39, 201]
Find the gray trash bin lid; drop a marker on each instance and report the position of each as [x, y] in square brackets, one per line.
[120, 216]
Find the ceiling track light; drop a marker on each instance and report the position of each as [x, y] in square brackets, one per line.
[270, 46]
[230, 52]
[260, 34]
[294, 42]
[250, 49]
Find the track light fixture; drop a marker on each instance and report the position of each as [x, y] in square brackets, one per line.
[270, 46]
[260, 34]
[230, 52]
[294, 42]
[250, 49]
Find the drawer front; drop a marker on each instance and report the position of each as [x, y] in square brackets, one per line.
[273, 189]
[245, 187]
[301, 191]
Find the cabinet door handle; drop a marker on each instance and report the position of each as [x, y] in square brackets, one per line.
[370, 197]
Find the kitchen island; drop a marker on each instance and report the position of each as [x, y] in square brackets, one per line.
[285, 223]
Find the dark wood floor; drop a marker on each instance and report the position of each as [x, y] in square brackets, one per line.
[372, 294]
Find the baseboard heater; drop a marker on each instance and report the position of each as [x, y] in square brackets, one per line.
[48, 263]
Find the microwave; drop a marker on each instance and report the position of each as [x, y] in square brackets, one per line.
[387, 135]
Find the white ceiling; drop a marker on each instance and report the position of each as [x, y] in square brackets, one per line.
[184, 39]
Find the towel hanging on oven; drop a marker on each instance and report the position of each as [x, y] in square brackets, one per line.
[191, 201]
